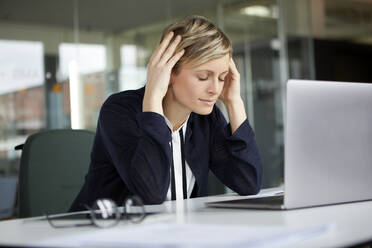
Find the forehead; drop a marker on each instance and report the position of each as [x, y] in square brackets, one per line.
[218, 65]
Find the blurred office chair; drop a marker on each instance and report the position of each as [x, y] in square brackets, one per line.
[52, 170]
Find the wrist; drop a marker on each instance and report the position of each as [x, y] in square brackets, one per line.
[234, 102]
[236, 112]
[153, 94]
[152, 103]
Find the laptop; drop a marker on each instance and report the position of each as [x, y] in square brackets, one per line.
[328, 147]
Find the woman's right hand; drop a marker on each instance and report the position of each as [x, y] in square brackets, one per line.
[159, 70]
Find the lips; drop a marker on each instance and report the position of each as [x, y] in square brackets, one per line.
[209, 102]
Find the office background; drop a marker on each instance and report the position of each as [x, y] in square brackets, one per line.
[59, 60]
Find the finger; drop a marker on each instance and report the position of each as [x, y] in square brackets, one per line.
[170, 50]
[233, 70]
[157, 54]
[175, 58]
[233, 66]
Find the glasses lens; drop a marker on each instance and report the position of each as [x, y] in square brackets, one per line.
[105, 213]
[134, 209]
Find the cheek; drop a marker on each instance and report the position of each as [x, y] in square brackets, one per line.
[187, 88]
[222, 84]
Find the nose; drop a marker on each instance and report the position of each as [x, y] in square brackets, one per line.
[213, 87]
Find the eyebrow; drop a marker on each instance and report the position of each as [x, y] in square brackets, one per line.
[209, 71]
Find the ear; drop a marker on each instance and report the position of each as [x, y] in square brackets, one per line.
[172, 78]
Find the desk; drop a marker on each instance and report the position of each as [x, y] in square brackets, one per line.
[352, 222]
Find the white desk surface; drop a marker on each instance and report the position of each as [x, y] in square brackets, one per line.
[352, 222]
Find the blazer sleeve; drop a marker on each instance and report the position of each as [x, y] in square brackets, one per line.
[138, 145]
[234, 158]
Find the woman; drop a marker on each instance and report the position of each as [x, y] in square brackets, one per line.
[160, 141]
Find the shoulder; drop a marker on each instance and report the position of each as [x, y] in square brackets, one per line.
[125, 100]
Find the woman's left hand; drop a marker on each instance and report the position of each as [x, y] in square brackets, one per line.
[231, 98]
[231, 90]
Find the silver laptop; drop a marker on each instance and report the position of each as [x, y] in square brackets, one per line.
[328, 147]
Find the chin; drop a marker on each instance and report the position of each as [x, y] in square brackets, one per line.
[203, 111]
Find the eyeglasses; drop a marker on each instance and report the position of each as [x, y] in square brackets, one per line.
[104, 213]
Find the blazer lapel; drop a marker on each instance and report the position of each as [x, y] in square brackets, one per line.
[190, 151]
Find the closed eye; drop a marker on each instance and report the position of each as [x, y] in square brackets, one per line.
[203, 79]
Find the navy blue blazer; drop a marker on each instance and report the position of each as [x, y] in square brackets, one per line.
[131, 153]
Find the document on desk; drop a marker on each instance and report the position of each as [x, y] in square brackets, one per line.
[190, 235]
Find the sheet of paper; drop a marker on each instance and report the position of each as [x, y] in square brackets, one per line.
[189, 235]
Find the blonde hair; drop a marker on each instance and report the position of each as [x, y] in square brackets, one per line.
[201, 39]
